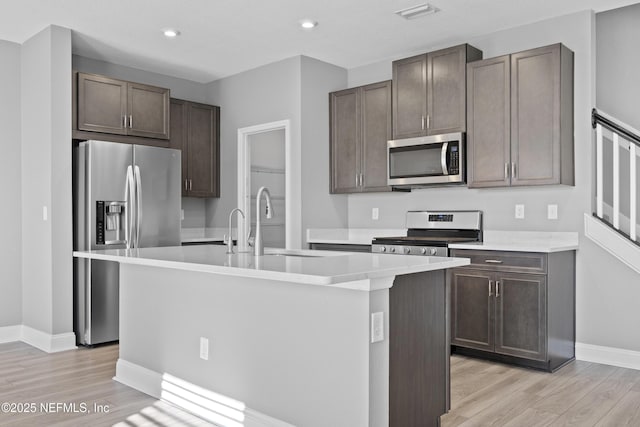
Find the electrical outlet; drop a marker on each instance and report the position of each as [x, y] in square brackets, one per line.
[520, 211]
[204, 348]
[182, 214]
[374, 213]
[552, 211]
[45, 215]
[377, 326]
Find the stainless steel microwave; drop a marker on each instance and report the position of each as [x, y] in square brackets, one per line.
[428, 160]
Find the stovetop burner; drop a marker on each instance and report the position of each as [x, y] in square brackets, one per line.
[430, 233]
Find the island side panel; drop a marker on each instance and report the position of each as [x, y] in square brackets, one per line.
[418, 350]
[298, 353]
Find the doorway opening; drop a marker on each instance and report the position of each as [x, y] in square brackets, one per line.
[264, 159]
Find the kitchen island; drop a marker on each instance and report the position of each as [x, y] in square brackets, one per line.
[286, 338]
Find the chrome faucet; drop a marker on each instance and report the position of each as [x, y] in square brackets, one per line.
[259, 245]
[229, 238]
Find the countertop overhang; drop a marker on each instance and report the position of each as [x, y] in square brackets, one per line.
[326, 268]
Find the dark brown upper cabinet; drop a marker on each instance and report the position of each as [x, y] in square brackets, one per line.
[118, 107]
[195, 130]
[520, 119]
[360, 125]
[429, 92]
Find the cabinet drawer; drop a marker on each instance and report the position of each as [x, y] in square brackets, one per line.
[529, 262]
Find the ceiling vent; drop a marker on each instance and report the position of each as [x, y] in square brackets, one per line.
[417, 11]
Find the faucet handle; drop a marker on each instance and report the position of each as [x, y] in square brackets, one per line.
[251, 240]
[225, 239]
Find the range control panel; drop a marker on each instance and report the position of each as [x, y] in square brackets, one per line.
[409, 250]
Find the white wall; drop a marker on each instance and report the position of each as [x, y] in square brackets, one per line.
[46, 182]
[10, 186]
[607, 291]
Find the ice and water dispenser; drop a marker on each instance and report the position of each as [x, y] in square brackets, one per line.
[110, 222]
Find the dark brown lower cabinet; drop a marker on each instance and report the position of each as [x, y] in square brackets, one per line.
[418, 349]
[515, 307]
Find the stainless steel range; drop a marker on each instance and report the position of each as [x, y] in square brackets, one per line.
[429, 233]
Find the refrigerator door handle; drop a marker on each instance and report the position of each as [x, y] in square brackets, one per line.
[129, 198]
[138, 203]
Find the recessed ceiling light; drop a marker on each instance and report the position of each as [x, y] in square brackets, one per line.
[308, 24]
[171, 33]
[417, 11]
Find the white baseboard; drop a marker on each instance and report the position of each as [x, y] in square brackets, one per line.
[10, 333]
[142, 379]
[47, 342]
[150, 382]
[608, 355]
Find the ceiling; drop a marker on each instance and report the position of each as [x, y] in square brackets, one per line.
[224, 37]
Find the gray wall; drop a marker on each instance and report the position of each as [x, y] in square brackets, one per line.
[46, 181]
[295, 89]
[607, 290]
[319, 208]
[618, 64]
[10, 135]
[266, 94]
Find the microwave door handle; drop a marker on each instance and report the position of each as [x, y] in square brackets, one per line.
[443, 158]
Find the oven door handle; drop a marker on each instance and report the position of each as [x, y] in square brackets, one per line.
[443, 158]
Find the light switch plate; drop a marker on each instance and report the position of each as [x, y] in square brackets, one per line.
[374, 213]
[552, 211]
[519, 211]
[182, 214]
[204, 348]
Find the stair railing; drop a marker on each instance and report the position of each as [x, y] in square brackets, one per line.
[622, 136]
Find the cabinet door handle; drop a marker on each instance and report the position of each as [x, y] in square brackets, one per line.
[493, 261]
[506, 170]
[124, 121]
[190, 184]
[428, 121]
[513, 170]
[497, 289]
[357, 178]
[130, 121]
[186, 185]
[361, 180]
[490, 284]
[422, 122]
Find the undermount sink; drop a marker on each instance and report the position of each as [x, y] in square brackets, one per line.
[295, 253]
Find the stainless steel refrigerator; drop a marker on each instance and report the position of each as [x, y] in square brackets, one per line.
[125, 196]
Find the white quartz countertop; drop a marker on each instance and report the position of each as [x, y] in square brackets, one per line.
[494, 240]
[523, 241]
[350, 236]
[300, 266]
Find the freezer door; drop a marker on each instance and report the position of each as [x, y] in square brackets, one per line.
[158, 174]
[105, 176]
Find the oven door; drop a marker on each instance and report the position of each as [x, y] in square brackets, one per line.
[428, 160]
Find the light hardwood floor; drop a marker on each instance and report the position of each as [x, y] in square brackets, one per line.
[579, 394]
[29, 376]
[483, 393]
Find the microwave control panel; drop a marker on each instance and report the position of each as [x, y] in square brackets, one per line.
[454, 159]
